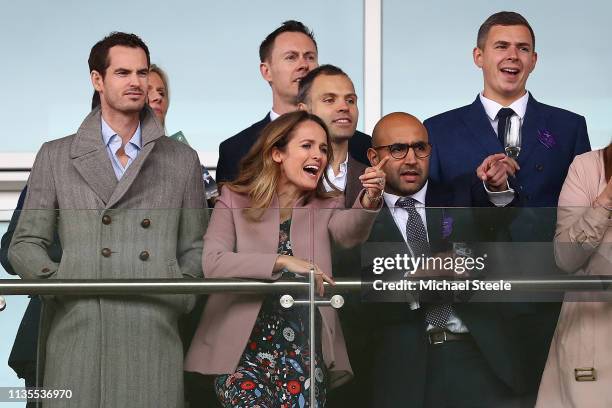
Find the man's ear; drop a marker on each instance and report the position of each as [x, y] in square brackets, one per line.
[96, 80]
[277, 155]
[264, 69]
[373, 157]
[477, 55]
[534, 62]
[302, 106]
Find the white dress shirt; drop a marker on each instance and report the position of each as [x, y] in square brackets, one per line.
[400, 215]
[492, 108]
[273, 115]
[338, 180]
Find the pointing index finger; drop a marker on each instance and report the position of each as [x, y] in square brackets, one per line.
[381, 163]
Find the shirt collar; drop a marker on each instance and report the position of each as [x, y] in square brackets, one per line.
[108, 133]
[492, 108]
[273, 115]
[419, 196]
[343, 166]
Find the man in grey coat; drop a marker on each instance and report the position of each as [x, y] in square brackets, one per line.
[128, 203]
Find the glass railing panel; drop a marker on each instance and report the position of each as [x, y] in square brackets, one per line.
[501, 270]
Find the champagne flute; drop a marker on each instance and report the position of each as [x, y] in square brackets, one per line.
[512, 137]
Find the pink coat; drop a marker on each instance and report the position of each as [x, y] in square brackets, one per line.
[583, 339]
[236, 247]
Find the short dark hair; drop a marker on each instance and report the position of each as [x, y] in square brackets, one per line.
[289, 26]
[503, 18]
[306, 82]
[98, 56]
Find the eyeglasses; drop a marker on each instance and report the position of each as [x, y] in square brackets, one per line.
[400, 150]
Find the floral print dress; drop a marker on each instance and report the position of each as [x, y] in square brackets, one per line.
[274, 370]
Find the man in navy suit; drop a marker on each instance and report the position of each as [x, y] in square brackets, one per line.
[550, 139]
[468, 360]
[287, 54]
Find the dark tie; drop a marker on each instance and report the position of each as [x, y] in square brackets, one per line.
[436, 315]
[416, 235]
[502, 116]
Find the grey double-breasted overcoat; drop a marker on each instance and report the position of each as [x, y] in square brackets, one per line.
[113, 351]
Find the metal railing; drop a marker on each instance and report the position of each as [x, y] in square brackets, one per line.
[208, 286]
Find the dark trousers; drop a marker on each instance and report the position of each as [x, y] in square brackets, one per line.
[458, 376]
[30, 382]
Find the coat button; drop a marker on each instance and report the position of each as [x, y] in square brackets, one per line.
[106, 219]
[106, 252]
[144, 255]
[145, 223]
[539, 167]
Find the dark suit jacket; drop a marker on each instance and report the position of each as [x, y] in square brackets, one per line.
[232, 150]
[23, 355]
[463, 137]
[353, 185]
[397, 342]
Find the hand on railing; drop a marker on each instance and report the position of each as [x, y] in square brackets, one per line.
[302, 267]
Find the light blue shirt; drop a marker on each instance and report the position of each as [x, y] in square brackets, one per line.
[112, 141]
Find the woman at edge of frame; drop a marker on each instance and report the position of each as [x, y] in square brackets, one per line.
[578, 371]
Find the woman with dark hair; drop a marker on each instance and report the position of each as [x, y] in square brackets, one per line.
[277, 220]
[578, 372]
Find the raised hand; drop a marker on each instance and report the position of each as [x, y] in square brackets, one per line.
[495, 170]
[605, 198]
[373, 180]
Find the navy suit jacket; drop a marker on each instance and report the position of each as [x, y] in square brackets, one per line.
[463, 137]
[232, 150]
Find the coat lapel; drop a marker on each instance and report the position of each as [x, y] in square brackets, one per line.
[535, 121]
[151, 131]
[89, 157]
[481, 131]
[303, 218]
[353, 185]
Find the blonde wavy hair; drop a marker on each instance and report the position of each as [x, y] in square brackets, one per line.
[259, 174]
[164, 77]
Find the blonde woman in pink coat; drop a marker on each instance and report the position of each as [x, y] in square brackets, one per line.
[277, 220]
[578, 372]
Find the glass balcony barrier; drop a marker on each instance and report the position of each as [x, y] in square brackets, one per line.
[116, 289]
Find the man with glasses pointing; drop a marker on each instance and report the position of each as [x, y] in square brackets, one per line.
[410, 344]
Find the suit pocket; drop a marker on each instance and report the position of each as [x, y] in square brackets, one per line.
[174, 272]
